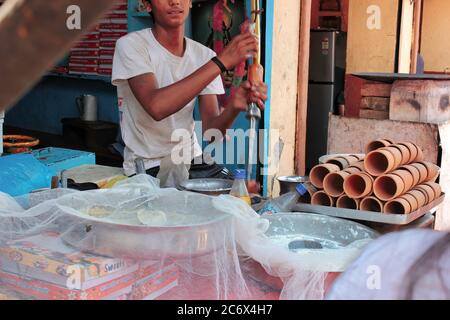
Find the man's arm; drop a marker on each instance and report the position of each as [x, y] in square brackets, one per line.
[212, 118]
[161, 103]
[209, 109]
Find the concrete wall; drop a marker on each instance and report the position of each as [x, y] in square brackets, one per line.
[283, 102]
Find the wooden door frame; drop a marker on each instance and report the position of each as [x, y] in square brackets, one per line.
[302, 88]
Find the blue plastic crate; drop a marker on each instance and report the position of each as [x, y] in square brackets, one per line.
[58, 159]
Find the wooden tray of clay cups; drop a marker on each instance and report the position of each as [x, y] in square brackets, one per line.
[388, 218]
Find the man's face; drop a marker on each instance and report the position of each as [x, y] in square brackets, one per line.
[169, 13]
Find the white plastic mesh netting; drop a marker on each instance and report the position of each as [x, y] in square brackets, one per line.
[138, 241]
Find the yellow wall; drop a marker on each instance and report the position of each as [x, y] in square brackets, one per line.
[284, 85]
[435, 46]
[371, 50]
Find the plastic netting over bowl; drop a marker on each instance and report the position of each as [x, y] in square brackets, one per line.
[138, 241]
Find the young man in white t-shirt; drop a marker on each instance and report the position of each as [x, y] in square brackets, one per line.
[159, 73]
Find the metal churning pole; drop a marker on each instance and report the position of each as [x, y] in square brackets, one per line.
[255, 75]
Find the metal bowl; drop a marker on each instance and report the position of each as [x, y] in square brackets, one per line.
[205, 235]
[329, 232]
[211, 187]
[288, 183]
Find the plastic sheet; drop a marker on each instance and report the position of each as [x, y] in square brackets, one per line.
[23, 173]
[138, 241]
[42, 244]
[304, 272]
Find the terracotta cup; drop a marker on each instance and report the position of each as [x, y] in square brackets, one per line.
[407, 178]
[352, 170]
[341, 162]
[429, 191]
[371, 204]
[319, 172]
[423, 172]
[432, 169]
[358, 185]
[388, 187]
[333, 184]
[420, 156]
[377, 144]
[412, 151]
[406, 155]
[398, 157]
[345, 202]
[351, 159]
[413, 171]
[360, 157]
[424, 193]
[411, 200]
[436, 188]
[379, 162]
[397, 206]
[320, 198]
[359, 165]
[420, 197]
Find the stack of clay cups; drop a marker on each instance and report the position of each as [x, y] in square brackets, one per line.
[399, 170]
[392, 178]
[329, 178]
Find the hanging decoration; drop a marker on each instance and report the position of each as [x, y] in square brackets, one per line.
[222, 23]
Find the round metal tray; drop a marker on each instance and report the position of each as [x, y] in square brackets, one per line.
[141, 242]
[208, 186]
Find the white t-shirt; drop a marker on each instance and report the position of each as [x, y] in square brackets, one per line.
[381, 272]
[138, 53]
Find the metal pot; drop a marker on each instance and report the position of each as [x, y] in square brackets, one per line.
[288, 183]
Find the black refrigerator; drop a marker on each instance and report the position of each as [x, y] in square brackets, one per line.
[326, 87]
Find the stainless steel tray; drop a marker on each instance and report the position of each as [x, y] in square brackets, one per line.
[211, 187]
[398, 219]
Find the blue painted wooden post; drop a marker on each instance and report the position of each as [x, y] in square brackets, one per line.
[269, 16]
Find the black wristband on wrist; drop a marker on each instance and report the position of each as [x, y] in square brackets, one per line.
[219, 64]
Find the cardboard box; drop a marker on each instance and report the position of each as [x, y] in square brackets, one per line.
[47, 258]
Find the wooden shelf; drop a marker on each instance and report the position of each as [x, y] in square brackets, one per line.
[316, 14]
[79, 76]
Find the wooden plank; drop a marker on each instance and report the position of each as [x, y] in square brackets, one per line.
[315, 9]
[353, 86]
[420, 101]
[372, 45]
[344, 10]
[435, 46]
[374, 114]
[350, 135]
[376, 90]
[302, 90]
[406, 37]
[375, 103]
[417, 24]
